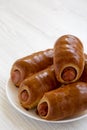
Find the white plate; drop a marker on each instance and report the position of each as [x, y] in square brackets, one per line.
[12, 94]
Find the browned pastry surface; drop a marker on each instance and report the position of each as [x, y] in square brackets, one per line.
[68, 58]
[33, 88]
[83, 77]
[31, 64]
[63, 102]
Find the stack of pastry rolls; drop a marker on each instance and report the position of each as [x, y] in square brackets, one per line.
[53, 81]
[34, 75]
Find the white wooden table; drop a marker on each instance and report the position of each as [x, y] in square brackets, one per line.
[27, 26]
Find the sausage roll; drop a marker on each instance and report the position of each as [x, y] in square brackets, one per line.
[63, 102]
[68, 58]
[32, 88]
[31, 64]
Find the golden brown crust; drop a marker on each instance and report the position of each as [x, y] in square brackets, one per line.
[65, 101]
[30, 65]
[83, 77]
[68, 52]
[36, 86]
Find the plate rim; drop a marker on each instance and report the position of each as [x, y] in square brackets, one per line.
[33, 117]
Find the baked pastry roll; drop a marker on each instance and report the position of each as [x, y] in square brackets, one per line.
[31, 64]
[32, 88]
[68, 58]
[63, 102]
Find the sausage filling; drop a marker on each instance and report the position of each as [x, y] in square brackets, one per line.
[24, 95]
[16, 76]
[43, 109]
[69, 74]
